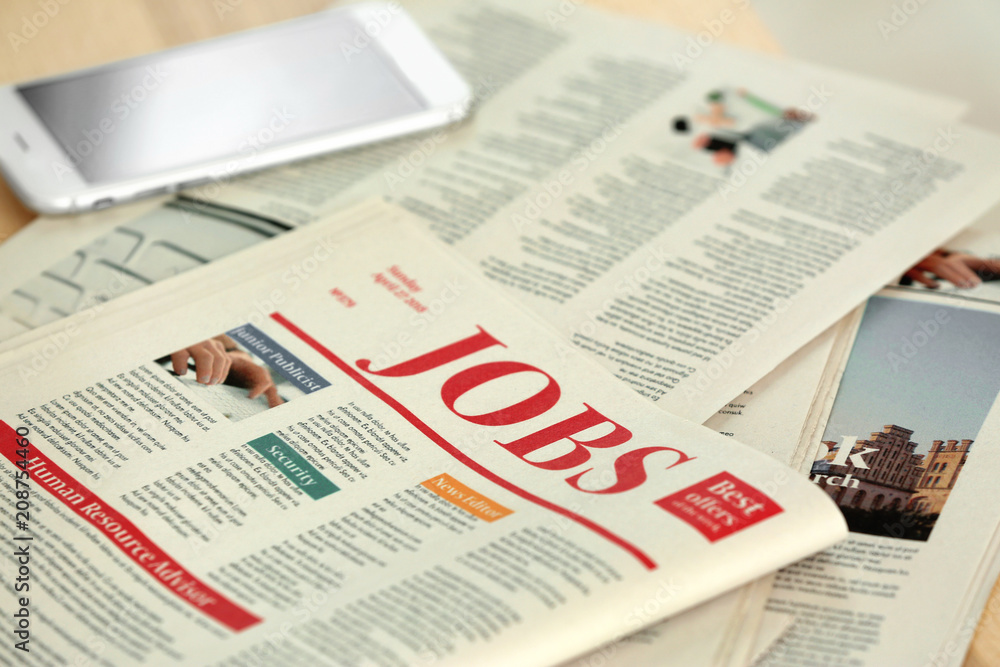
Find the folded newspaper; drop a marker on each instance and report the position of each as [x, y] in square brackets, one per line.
[903, 436]
[577, 175]
[708, 214]
[401, 466]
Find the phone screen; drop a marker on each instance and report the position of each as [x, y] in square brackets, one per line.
[221, 100]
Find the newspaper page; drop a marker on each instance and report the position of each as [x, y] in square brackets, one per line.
[623, 167]
[161, 242]
[397, 465]
[571, 122]
[906, 451]
[672, 640]
[772, 415]
[691, 286]
[550, 77]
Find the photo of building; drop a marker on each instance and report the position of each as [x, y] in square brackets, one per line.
[926, 373]
[942, 467]
[883, 473]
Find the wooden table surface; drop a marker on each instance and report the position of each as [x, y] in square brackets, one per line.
[81, 34]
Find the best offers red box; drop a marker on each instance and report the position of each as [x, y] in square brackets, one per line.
[720, 505]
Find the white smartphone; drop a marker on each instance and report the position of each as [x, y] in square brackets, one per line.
[213, 109]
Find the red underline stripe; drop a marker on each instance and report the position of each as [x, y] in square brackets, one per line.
[454, 451]
[69, 491]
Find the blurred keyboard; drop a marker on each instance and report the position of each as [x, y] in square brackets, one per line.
[182, 234]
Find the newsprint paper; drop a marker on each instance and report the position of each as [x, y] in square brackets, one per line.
[906, 445]
[688, 220]
[292, 458]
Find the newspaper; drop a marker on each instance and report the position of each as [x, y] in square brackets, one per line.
[716, 643]
[772, 414]
[563, 62]
[609, 174]
[401, 467]
[907, 411]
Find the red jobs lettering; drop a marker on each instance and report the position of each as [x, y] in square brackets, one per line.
[628, 468]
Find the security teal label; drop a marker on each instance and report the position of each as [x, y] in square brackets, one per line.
[292, 465]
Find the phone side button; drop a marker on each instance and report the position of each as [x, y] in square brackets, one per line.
[193, 184]
[103, 203]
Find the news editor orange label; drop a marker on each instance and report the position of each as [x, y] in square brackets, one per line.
[461, 496]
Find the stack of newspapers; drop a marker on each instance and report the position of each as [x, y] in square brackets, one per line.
[594, 377]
